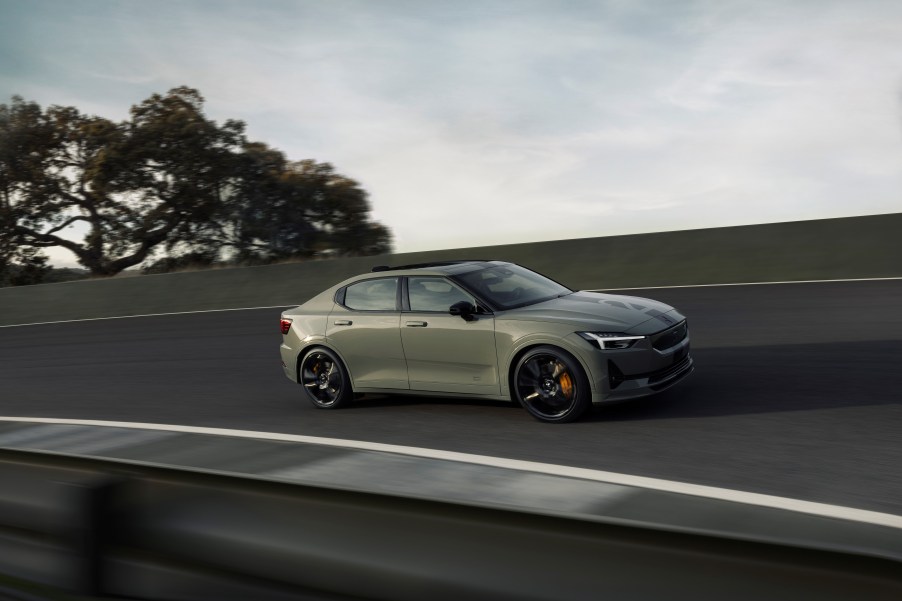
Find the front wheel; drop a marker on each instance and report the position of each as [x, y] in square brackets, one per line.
[551, 385]
[325, 380]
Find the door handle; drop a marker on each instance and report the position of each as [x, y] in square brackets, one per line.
[343, 322]
[416, 324]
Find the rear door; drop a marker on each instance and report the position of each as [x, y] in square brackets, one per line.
[364, 328]
[444, 352]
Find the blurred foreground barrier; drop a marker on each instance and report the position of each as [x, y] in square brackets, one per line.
[140, 530]
[855, 247]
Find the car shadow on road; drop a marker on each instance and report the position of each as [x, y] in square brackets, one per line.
[405, 400]
[766, 379]
[735, 381]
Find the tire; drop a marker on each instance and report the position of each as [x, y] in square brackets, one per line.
[325, 379]
[551, 385]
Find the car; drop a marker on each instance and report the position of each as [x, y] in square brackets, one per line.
[482, 329]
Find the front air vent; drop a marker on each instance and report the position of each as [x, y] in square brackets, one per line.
[663, 379]
[615, 376]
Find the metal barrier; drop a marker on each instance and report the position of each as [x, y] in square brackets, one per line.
[126, 529]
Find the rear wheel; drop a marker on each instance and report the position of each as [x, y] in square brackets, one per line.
[325, 379]
[551, 385]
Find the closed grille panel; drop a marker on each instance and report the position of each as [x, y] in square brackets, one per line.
[671, 337]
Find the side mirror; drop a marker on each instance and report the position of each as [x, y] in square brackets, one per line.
[464, 309]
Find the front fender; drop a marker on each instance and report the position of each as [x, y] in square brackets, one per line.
[514, 337]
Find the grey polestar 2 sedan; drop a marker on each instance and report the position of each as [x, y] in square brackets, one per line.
[486, 329]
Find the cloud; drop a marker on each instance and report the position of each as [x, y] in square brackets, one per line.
[492, 122]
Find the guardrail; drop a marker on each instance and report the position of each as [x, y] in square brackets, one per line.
[855, 247]
[107, 526]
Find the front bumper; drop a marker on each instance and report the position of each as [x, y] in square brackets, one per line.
[630, 387]
[655, 364]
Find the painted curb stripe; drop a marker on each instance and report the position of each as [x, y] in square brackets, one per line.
[711, 492]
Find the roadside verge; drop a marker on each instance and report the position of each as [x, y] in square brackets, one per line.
[855, 247]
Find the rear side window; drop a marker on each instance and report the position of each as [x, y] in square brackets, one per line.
[373, 295]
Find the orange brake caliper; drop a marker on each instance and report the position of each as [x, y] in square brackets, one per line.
[566, 384]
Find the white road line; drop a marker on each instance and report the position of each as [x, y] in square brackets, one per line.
[711, 492]
[44, 323]
[749, 284]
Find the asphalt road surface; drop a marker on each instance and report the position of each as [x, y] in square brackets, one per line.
[797, 392]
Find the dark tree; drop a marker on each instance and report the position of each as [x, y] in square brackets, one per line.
[21, 266]
[299, 209]
[135, 184]
[169, 184]
[279, 210]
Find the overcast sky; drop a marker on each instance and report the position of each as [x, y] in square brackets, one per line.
[487, 122]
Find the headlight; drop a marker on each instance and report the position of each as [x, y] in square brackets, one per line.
[610, 340]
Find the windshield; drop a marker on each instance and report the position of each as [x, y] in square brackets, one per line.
[510, 286]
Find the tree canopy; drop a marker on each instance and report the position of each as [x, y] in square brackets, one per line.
[165, 188]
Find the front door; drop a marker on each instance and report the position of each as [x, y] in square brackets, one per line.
[444, 352]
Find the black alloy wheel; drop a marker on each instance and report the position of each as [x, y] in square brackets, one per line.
[551, 385]
[325, 380]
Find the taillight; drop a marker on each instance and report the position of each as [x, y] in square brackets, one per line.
[285, 324]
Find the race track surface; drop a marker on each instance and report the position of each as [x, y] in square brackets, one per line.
[797, 392]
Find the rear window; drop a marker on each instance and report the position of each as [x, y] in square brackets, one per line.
[373, 295]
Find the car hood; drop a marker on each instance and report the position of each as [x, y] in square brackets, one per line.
[598, 312]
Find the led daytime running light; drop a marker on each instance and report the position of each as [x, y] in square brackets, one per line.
[610, 340]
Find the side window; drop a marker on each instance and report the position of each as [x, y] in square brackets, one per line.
[434, 294]
[372, 295]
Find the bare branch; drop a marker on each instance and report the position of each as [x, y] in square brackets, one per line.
[46, 239]
[67, 223]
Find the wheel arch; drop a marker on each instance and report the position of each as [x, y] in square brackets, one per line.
[521, 351]
[315, 344]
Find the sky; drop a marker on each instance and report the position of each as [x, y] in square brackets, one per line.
[492, 122]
